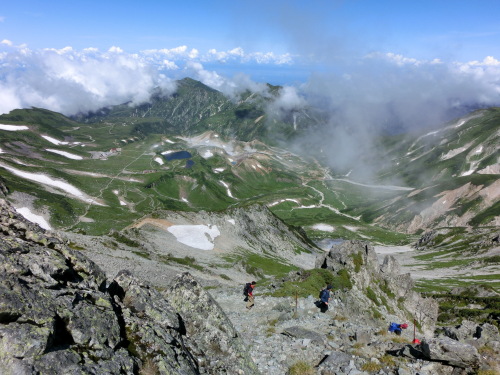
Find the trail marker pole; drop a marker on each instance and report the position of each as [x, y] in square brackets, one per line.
[296, 301]
[414, 328]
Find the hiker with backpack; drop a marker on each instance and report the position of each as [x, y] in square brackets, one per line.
[324, 298]
[248, 293]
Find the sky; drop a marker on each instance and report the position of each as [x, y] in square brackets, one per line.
[369, 63]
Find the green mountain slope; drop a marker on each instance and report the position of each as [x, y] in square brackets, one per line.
[108, 169]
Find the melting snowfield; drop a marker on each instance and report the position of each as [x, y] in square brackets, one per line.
[13, 128]
[227, 189]
[272, 204]
[323, 227]
[197, 236]
[59, 184]
[34, 218]
[65, 154]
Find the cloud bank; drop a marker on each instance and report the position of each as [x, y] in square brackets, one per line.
[392, 93]
[70, 81]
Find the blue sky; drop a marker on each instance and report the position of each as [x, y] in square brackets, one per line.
[75, 56]
[448, 30]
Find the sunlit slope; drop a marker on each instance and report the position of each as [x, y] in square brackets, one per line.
[454, 171]
[196, 108]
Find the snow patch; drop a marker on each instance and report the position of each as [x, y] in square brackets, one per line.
[53, 140]
[197, 236]
[46, 180]
[13, 128]
[219, 170]
[207, 154]
[468, 173]
[283, 200]
[455, 152]
[323, 227]
[34, 218]
[227, 189]
[65, 154]
[159, 160]
[232, 221]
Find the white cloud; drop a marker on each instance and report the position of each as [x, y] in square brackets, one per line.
[70, 81]
[6, 42]
[115, 49]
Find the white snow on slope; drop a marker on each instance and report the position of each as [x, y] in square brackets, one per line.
[227, 189]
[13, 128]
[207, 154]
[283, 200]
[455, 152]
[197, 236]
[64, 153]
[53, 140]
[1, 151]
[46, 180]
[323, 227]
[159, 160]
[30, 216]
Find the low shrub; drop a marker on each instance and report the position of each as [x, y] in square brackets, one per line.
[301, 368]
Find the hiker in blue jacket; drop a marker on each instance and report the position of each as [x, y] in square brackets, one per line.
[325, 298]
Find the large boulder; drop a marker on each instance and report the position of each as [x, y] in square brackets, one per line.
[450, 352]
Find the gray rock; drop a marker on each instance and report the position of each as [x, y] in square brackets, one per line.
[302, 333]
[451, 352]
[58, 317]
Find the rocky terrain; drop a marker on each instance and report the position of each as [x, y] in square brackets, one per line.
[60, 313]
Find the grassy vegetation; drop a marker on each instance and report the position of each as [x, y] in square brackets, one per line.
[185, 261]
[311, 282]
[453, 308]
[301, 368]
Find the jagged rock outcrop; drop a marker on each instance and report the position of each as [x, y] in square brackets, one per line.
[380, 286]
[210, 336]
[59, 316]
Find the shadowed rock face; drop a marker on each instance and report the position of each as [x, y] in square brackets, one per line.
[57, 315]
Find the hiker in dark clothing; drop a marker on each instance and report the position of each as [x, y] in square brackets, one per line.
[249, 294]
[324, 299]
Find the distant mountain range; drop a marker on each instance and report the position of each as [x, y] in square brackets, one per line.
[200, 150]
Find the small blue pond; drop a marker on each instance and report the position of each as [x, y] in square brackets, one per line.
[178, 155]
